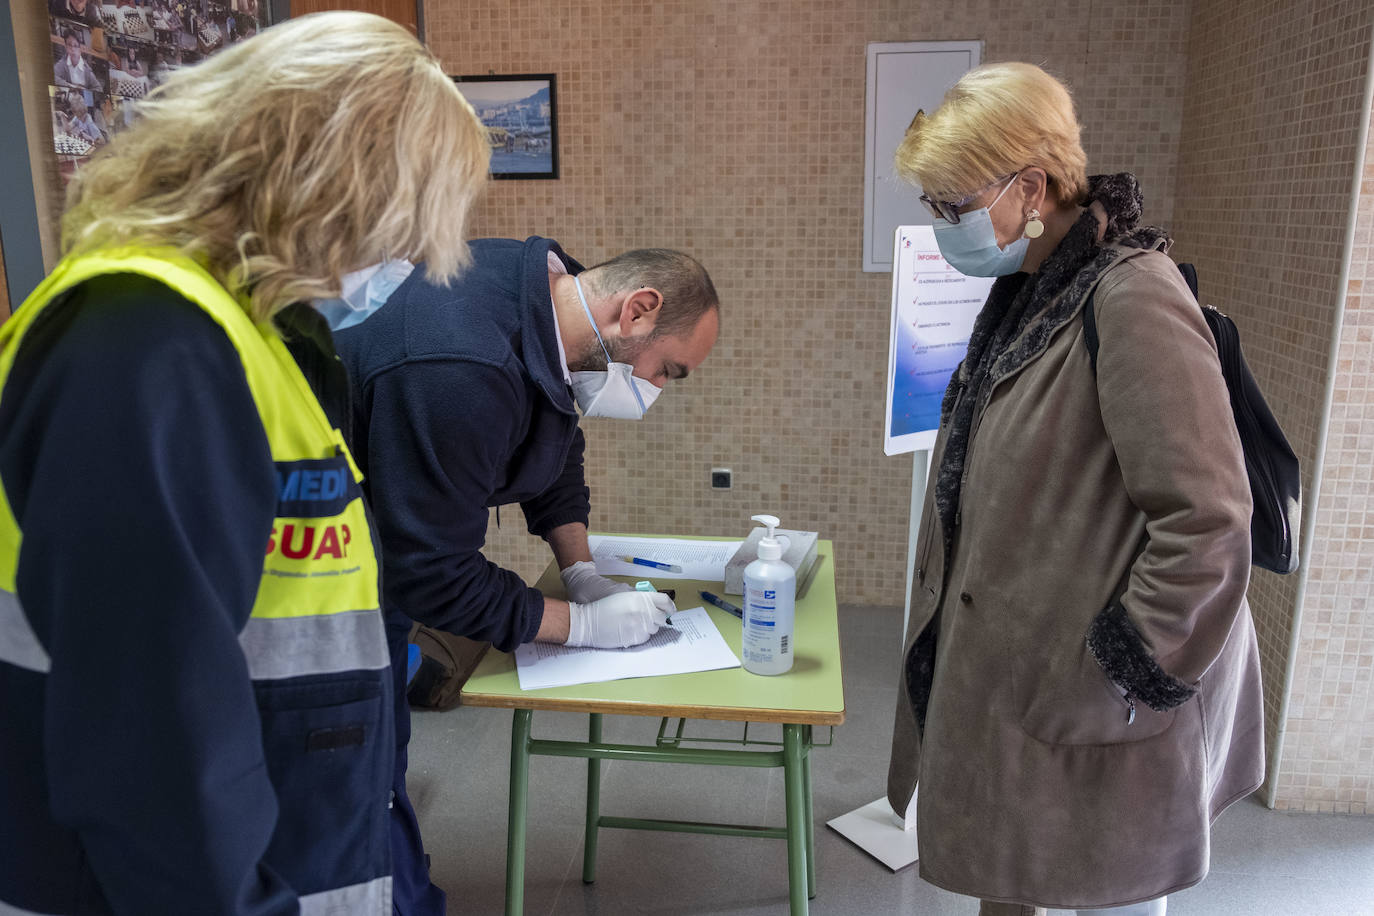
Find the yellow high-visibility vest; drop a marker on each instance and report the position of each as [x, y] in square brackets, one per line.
[316, 610]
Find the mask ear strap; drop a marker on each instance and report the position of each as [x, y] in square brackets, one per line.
[592, 321]
[1004, 191]
[634, 386]
[639, 399]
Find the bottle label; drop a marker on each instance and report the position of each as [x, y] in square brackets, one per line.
[764, 642]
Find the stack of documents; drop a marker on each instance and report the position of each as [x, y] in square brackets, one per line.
[701, 560]
[799, 549]
[690, 643]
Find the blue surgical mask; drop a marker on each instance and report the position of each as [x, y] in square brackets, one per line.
[970, 245]
[364, 292]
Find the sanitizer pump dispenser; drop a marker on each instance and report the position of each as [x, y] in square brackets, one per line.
[770, 589]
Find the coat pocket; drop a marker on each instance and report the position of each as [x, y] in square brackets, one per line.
[329, 748]
[1063, 697]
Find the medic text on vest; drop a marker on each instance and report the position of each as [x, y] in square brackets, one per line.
[315, 488]
[313, 494]
[300, 483]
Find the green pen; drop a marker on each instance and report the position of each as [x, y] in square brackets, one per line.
[644, 585]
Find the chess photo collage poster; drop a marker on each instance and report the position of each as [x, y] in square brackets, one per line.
[108, 55]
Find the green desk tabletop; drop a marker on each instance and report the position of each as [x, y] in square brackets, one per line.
[810, 694]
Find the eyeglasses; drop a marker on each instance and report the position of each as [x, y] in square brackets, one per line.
[948, 210]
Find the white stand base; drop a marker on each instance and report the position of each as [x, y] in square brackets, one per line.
[878, 832]
[875, 828]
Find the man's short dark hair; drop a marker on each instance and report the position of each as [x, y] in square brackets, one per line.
[688, 292]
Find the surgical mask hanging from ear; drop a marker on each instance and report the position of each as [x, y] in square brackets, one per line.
[970, 245]
[364, 292]
[616, 392]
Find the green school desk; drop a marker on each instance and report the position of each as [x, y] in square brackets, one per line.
[810, 694]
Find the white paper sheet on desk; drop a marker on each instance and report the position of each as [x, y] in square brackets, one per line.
[703, 560]
[692, 643]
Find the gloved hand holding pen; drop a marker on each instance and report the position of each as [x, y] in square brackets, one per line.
[617, 621]
[584, 585]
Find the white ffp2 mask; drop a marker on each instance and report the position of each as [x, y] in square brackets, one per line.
[614, 392]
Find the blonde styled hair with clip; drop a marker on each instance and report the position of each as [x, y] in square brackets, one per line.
[315, 148]
[998, 119]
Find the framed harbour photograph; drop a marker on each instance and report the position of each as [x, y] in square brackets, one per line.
[520, 115]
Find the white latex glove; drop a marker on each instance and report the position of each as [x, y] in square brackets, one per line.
[585, 586]
[619, 620]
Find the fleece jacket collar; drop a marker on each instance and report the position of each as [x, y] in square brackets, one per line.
[539, 333]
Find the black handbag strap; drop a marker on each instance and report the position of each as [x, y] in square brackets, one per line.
[1190, 277]
[1090, 314]
[1090, 329]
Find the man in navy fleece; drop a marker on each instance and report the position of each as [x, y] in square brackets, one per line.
[464, 399]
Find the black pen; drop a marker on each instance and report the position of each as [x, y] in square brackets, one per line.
[646, 586]
[722, 604]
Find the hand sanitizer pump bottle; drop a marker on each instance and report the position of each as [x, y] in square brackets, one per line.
[770, 588]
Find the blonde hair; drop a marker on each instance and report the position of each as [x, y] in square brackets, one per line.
[998, 119]
[312, 149]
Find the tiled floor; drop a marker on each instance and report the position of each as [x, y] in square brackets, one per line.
[1263, 862]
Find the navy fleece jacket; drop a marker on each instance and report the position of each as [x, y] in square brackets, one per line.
[460, 405]
[135, 461]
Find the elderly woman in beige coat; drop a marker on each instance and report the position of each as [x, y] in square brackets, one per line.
[1080, 688]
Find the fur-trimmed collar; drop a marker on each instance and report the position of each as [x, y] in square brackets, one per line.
[1054, 308]
[1023, 312]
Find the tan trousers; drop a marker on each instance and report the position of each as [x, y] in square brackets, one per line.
[1148, 908]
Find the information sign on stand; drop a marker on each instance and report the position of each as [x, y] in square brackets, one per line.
[933, 308]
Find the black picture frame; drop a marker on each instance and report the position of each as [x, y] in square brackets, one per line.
[522, 127]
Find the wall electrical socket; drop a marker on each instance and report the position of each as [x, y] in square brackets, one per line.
[720, 478]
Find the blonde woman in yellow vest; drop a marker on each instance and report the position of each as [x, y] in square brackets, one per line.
[193, 675]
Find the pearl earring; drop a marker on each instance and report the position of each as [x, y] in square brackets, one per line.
[1035, 227]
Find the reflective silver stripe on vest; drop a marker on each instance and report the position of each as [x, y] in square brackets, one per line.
[10, 910]
[281, 647]
[372, 897]
[19, 644]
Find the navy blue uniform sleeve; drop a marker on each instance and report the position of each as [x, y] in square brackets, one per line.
[439, 437]
[567, 501]
[144, 486]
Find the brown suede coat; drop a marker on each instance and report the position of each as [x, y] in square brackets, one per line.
[1101, 547]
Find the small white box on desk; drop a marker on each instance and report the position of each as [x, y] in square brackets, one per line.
[799, 552]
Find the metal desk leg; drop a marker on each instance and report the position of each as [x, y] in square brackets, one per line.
[794, 757]
[593, 801]
[519, 799]
[810, 818]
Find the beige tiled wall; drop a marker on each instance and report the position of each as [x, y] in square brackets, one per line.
[1271, 117]
[1328, 751]
[734, 130]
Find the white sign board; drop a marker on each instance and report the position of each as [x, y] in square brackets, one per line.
[933, 308]
[902, 77]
